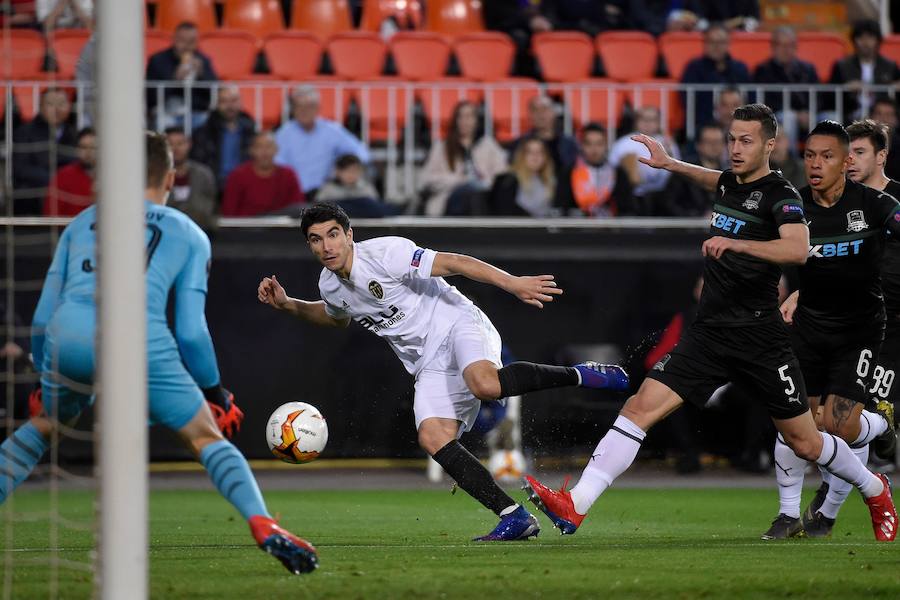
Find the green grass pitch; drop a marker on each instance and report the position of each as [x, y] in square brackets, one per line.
[667, 543]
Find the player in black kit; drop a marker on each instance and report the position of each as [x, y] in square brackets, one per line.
[757, 224]
[837, 318]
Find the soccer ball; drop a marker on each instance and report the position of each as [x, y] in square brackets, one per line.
[507, 465]
[297, 432]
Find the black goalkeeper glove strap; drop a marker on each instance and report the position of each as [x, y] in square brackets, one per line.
[217, 395]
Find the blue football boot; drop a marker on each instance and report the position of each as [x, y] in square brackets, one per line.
[517, 525]
[602, 377]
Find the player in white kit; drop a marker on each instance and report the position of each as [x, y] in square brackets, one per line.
[396, 290]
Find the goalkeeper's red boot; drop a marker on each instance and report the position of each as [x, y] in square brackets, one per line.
[556, 504]
[884, 515]
[296, 554]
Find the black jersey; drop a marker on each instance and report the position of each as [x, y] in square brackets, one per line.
[840, 284]
[890, 266]
[740, 289]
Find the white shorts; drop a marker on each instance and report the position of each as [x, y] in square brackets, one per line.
[440, 388]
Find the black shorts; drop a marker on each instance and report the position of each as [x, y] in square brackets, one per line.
[883, 385]
[758, 358]
[840, 364]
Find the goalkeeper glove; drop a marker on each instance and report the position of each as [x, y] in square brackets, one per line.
[224, 409]
[36, 402]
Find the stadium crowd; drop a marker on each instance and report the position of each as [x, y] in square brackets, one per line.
[231, 162]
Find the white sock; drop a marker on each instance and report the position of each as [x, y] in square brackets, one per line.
[841, 462]
[613, 455]
[871, 425]
[838, 489]
[789, 474]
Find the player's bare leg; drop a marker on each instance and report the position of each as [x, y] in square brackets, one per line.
[438, 437]
[653, 402]
[231, 475]
[833, 454]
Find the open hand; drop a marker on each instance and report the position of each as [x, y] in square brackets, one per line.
[534, 289]
[659, 157]
[270, 292]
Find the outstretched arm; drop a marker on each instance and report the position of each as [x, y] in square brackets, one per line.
[534, 290]
[660, 159]
[792, 248]
[51, 294]
[270, 292]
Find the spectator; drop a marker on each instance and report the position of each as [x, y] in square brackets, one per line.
[729, 100]
[715, 66]
[734, 14]
[590, 16]
[64, 14]
[194, 192]
[48, 135]
[309, 144]
[84, 74]
[259, 186]
[783, 159]
[72, 188]
[593, 178]
[519, 20]
[182, 62]
[656, 16]
[223, 142]
[461, 167]
[17, 13]
[563, 148]
[350, 189]
[885, 111]
[643, 179]
[866, 66]
[682, 197]
[785, 68]
[527, 189]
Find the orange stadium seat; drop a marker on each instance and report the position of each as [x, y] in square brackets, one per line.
[380, 105]
[441, 96]
[321, 17]
[171, 13]
[656, 97]
[66, 45]
[822, 50]
[564, 55]
[679, 48]
[508, 104]
[627, 55]
[293, 54]
[264, 103]
[890, 47]
[471, 49]
[751, 48]
[420, 54]
[454, 17]
[407, 13]
[357, 54]
[603, 103]
[259, 17]
[155, 41]
[23, 55]
[233, 53]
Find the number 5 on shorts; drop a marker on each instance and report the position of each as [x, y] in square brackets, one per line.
[782, 372]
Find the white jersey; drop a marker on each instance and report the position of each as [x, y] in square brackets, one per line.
[391, 293]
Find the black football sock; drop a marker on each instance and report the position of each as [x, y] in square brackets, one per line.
[472, 477]
[521, 377]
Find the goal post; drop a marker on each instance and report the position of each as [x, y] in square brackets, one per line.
[121, 425]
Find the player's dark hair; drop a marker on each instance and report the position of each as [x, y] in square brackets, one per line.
[833, 129]
[159, 158]
[347, 160]
[174, 129]
[866, 27]
[876, 133]
[186, 25]
[592, 127]
[322, 212]
[760, 113]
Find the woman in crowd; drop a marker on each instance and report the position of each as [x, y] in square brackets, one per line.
[460, 169]
[528, 188]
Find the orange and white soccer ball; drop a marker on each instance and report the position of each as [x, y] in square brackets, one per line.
[507, 465]
[297, 432]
